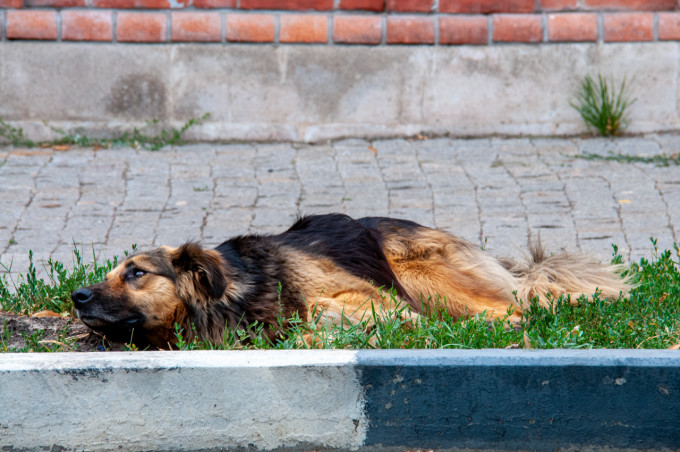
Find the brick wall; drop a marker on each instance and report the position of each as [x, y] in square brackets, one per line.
[363, 22]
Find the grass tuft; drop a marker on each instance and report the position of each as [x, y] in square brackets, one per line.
[27, 293]
[136, 138]
[14, 135]
[602, 105]
[657, 160]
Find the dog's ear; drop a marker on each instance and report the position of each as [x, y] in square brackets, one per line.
[202, 269]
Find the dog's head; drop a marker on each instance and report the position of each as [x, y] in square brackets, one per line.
[143, 297]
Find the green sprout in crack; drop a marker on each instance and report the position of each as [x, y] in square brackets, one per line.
[137, 138]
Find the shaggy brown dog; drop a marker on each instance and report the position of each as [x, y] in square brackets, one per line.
[329, 264]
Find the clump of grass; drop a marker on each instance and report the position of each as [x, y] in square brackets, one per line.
[602, 104]
[136, 138]
[648, 318]
[27, 293]
[36, 341]
[14, 135]
[657, 160]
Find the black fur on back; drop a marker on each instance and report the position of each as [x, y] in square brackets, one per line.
[347, 242]
[257, 263]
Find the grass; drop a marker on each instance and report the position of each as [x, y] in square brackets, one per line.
[27, 293]
[136, 138]
[658, 159]
[649, 318]
[602, 104]
[36, 342]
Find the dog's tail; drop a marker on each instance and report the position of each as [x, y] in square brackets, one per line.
[565, 274]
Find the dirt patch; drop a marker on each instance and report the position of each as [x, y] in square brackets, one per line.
[19, 333]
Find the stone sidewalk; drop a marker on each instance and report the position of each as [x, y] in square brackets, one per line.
[495, 192]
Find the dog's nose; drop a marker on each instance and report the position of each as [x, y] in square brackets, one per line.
[81, 296]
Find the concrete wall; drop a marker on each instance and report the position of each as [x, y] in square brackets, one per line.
[312, 93]
[391, 399]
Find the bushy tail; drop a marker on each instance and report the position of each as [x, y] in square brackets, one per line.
[565, 274]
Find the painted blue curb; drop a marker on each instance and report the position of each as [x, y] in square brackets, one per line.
[345, 400]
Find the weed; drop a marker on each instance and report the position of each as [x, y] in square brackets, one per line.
[28, 293]
[5, 336]
[658, 159]
[136, 139]
[602, 105]
[35, 341]
[14, 135]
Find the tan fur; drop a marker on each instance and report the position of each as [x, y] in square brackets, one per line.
[566, 274]
[333, 295]
[436, 267]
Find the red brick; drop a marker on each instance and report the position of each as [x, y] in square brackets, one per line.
[130, 4]
[463, 30]
[27, 24]
[11, 3]
[558, 5]
[142, 27]
[250, 27]
[303, 28]
[196, 26]
[86, 26]
[298, 5]
[486, 6]
[572, 27]
[215, 3]
[410, 30]
[517, 28]
[369, 5]
[639, 5]
[624, 27]
[412, 6]
[669, 26]
[357, 29]
[55, 3]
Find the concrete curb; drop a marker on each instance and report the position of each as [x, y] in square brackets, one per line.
[384, 399]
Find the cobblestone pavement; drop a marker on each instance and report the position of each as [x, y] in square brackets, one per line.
[495, 192]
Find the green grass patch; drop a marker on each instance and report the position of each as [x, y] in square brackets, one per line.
[648, 318]
[658, 159]
[36, 341]
[136, 138]
[27, 293]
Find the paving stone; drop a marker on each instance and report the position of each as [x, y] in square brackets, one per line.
[501, 189]
[642, 147]
[599, 146]
[669, 143]
[552, 150]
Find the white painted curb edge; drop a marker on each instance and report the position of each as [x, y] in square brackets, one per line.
[340, 399]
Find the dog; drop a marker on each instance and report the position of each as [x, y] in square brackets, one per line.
[327, 267]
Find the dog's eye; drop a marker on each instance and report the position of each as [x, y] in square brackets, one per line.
[134, 273]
